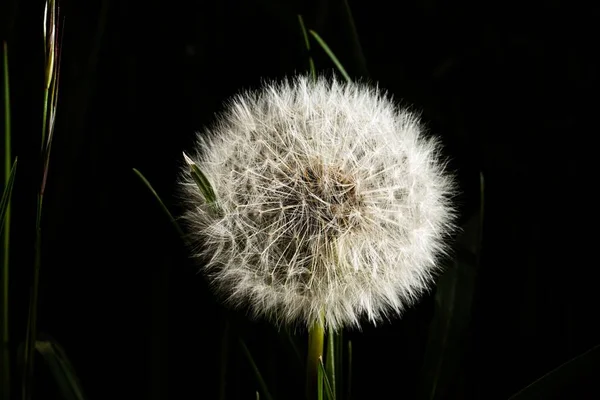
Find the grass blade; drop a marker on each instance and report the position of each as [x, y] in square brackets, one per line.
[583, 366]
[162, 205]
[224, 359]
[320, 375]
[453, 301]
[338, 383]
[324, 382]
[349, 375]
[330, 361]
[202, 182]
[61, 368]
[359, 57]
[311, 62]
[257, 374]
[5, 203]
[52, 42]
[9, 176]
[331, 55]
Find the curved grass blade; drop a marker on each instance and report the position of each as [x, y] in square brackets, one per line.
[453, 301]
[359, 57]
[165, 209]
[9, 177]
[257, 374]
[52, 40]
[324, 383]
[60, 367]
[202, 182]
[5, 202]
[224, 358]
[567, 373]
[327, 50]
[311, 62]
[289, 342]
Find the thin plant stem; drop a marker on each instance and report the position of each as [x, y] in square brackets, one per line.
[4, 332]
[52, 43]
[316, 338]
[330, 365]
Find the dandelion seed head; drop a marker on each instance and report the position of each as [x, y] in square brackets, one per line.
[331, 201]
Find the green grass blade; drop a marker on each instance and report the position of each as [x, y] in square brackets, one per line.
[311, 62]
[320, 375]
[202, 182]
[349, 375]
[339, 365]
[165, 209]
[224, 359]
[481, 212]
[330, 360]
[359, 57]
[563, 377]
[257, 374]
[294, 347]
[324, 382]
[5, 202]
[331, 55]
[9, 176]
[448, 328]
[61, 369]
[289, 342]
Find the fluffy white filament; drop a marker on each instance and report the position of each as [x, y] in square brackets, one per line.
[331, 201]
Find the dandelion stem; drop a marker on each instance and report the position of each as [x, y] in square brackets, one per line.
[316, 338]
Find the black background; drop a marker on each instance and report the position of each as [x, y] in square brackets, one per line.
[508, 86]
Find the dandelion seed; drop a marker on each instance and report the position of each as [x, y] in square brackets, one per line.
[331, 202]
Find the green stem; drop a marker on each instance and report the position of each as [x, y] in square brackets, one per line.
[33, 307]
[44, 121]
[4, 356]
[224, 352]
[330, 360]
[316, 338]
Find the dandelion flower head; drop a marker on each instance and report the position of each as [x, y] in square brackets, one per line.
[330, 201]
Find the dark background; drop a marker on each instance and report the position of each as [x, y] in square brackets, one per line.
[508, 86]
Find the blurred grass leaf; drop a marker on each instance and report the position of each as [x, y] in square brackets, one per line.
[257, 374]
[165, 209]
[569, 373]
[349, 373]
[331, 55]
[223, 360]
[60, 367]
[7, 194]
[311, 62]
[452, 315]
[359, 58]
[9, 177]
[339, 364]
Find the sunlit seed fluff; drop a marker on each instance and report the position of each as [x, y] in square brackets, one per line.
[331, 201]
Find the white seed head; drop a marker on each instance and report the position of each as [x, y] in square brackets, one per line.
[331, 202]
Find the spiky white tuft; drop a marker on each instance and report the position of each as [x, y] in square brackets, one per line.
[332, 202]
